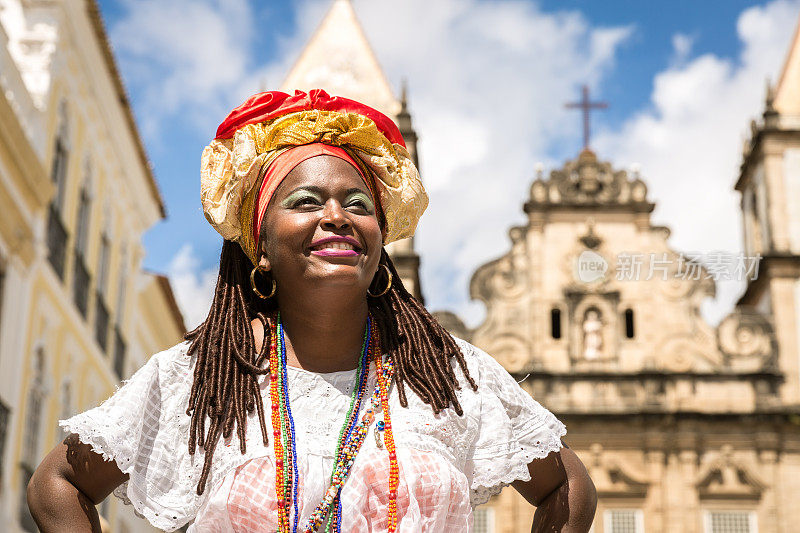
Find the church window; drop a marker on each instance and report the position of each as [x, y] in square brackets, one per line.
[483, 520]
[123, 279]
[5, 412]
[119, 341]
[555, 323]
[81, 279]
[33, 411]
[629, 326]
[33, 419]
[101, 317]
[624, 521]
[56, 229]
[2, 287]
[58, 171]
[730, 522]
[119, 353]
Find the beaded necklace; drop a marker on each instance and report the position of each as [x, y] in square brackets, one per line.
[351, 436]
[287, 420]
[280, 488]
[335, 517]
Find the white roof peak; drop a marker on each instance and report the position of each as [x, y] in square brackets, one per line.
[787, 91]
[339, 59]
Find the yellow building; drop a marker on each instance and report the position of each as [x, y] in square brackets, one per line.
[77, 311]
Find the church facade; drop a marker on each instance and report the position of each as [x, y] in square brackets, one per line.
[683, 427]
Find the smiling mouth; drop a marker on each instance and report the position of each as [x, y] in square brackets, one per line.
[335, 249]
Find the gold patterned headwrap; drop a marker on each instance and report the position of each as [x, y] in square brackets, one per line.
[254, 134]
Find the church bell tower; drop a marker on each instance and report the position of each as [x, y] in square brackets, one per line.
[769, 182]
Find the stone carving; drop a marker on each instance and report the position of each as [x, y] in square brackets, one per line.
[510, 351]
[590, 239]
[686, 353]
[503, 278]
[593, 316]
[726, 477]
[747, 340]
[613, 479]
[592, 335]
[587, 181]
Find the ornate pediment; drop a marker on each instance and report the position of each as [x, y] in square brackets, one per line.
[747, 341]
[724, 477]
[504, 278]
[613, 478]
[585, 181]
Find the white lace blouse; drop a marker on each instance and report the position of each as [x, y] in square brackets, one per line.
[448, 463]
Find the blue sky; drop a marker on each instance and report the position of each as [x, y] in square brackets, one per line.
[682, 79]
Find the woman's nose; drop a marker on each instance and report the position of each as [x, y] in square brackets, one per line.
[334, 216]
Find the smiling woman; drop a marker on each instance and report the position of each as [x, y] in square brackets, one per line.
[318, 392]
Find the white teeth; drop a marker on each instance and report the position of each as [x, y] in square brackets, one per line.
[335, 246]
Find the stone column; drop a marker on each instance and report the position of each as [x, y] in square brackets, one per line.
[654, 505]
[691, 512]
[769, 510]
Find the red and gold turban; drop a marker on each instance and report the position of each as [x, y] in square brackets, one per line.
[242, 166]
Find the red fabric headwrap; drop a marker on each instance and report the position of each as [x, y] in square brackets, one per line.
[266, 106]
[283, 164]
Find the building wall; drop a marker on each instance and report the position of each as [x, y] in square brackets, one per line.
[684, 427]
[60, 85]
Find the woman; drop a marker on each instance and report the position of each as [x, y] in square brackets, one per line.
[318, 394]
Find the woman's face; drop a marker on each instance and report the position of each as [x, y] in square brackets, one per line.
[321, 226]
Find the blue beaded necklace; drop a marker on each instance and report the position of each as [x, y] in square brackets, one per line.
[291, 439]
[288, 422]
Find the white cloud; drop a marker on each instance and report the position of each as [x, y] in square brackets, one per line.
[193, 286]
[183, 55]
[688, 143]
[682, 46]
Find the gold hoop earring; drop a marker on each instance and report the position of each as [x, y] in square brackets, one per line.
[388, 285]
[260, 268]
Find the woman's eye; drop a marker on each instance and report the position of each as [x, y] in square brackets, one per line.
[358, 203]
[305, 200]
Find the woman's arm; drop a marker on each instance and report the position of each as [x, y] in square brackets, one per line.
[562, 492]
[67, 485]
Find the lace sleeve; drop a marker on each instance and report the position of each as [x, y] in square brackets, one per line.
[514, 430]
[144, 428]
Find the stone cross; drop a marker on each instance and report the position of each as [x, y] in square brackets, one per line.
[586, 105]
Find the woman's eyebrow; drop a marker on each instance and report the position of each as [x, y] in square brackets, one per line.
[354, 190]
[309, 188]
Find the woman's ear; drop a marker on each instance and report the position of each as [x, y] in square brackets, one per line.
[264, 262]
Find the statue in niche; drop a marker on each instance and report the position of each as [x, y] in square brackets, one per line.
[592, 335]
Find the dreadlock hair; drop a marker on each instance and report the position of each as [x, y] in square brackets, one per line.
[225, 387]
